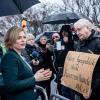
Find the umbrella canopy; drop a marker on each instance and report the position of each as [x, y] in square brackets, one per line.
[61, 18]
[11, 7]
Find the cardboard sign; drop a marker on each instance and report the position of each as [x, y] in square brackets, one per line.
[78, 70]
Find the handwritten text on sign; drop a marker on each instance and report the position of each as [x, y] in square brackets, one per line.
[78, 70]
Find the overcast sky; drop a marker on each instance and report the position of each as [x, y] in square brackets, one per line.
[52, 1]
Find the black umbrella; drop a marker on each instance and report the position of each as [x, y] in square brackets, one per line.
[11, 7]
[61, 18]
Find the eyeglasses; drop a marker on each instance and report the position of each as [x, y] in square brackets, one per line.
[55, 37]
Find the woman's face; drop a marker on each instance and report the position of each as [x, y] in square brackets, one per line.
[83, 32]
[43, 40]
[20, 42]
[31, 41]
[65, 36]
[55, 39]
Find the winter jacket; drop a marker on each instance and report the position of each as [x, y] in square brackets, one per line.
[27, 53]
[18, 77]
[92, 45]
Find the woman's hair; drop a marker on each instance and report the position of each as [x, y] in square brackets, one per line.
[83, 22]
[55, 34]
[11, 36]
[67, 30]
[40, 43]
[29, 36]
[43, 37]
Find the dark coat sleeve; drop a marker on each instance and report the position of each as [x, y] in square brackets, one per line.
[16, 76]
[96, 73]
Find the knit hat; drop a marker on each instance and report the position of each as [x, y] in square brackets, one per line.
[55, 35]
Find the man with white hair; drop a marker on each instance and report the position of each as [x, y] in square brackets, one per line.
[89, 42]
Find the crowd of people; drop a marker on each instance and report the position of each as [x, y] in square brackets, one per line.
[28, 63]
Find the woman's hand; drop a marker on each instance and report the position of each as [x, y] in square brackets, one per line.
[35, 62]
[42, 75]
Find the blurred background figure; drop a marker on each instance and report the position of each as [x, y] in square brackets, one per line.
[30, 52]
[55, 37]
[97, 29]
[1, 53]
[45, 61]
[1, 87]
[64, 43]
[56, 43]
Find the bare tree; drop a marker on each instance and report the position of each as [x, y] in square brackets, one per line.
[87, 8]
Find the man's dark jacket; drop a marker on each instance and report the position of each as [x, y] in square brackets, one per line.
[92, 45]
[18, 77]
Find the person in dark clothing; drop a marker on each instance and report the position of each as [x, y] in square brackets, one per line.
[45, 61]
[1, 53]
[55, 40]
[1, 87]
[29, 53]
[66, 43]
[90, 43]
[32, 56]
[19, 80]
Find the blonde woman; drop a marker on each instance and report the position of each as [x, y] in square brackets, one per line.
[30, 53]
[18, 77]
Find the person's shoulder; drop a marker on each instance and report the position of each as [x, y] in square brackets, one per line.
[96, 34]
[10, 54]
[97, 37]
